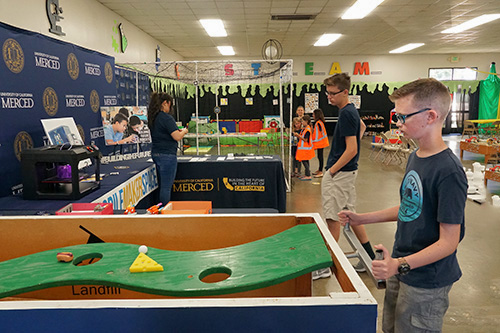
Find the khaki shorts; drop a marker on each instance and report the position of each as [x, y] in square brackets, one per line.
[338, 192]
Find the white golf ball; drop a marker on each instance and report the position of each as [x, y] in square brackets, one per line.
[143, 249]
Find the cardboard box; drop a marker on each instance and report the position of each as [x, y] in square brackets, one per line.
[86, 209]
[188, 207]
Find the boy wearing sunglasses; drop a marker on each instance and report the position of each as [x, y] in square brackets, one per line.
[430, 217]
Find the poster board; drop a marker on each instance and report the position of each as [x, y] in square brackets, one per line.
[136, 124]
[311, 102]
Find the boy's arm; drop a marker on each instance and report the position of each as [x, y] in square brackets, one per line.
[384, 215]
[351, 150]
[362, 129]
[449, 237]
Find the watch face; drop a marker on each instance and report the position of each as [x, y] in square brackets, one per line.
[403, 269]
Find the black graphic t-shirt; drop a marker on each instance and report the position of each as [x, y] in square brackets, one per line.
[433, 191]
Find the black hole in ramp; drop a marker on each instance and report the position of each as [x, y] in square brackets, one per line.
[215, 274]
[87, 259]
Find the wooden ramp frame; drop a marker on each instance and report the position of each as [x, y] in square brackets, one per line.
[259, 264]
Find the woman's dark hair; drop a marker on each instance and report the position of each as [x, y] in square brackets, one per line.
[318, 115]
[157, 98]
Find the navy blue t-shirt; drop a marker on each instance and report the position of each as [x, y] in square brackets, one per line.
[163, 143]
[349, 124]
[433, 191]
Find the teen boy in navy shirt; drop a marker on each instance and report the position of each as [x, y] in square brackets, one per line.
[430, 218]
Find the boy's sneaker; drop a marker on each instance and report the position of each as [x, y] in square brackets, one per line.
[359, 267]
[321, 273]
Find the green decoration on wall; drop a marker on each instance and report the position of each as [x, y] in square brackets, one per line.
[309, 70]
[114, 42]
[188, 90]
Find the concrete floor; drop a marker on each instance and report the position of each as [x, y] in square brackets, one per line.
[475, 298]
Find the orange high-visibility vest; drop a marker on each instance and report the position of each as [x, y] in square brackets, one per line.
[305, 150]
[320, 137]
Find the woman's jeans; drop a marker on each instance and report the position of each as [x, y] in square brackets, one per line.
[166, 168]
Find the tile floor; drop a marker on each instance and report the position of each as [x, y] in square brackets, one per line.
[475, 298]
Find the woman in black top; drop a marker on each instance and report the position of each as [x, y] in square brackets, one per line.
[165, 135]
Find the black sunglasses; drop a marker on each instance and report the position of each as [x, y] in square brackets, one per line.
[402, 117]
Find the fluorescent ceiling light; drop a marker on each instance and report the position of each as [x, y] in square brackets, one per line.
[407, 47]
[226, 50]
[360, 9]
[214, 28]
[327, 39]
[472, 23]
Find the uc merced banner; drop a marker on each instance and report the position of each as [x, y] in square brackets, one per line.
[44, 78]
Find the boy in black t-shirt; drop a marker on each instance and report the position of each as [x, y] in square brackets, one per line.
[430, 217]
[338, 184]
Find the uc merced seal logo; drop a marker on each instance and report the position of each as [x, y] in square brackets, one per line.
[411, 197]
[22, 141]
[73, 67]
[108, 72]
[50, 102]
[94, 101]
[13, 55]
[81, 131]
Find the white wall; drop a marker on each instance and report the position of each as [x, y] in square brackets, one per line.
[86, 23]
[393, 68]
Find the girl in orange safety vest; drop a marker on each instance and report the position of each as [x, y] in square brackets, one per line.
[320, 139]
[305, 149]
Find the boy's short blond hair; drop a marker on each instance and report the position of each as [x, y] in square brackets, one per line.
[426, 93]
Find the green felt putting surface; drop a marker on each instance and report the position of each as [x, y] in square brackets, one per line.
[269, 261]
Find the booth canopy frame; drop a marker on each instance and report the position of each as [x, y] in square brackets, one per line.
[196, 77]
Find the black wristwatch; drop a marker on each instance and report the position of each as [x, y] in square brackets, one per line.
[404, 267]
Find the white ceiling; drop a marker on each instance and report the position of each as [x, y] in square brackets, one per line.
[248, 23]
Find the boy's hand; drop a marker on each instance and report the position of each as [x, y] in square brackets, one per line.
[384, 269]
[128, 139]
[346, 216]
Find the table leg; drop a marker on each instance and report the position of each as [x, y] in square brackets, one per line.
[461, 153]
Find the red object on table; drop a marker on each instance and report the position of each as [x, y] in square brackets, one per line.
[250, 126]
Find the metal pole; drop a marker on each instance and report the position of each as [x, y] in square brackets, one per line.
[197, 119]
[290, 157]
[217, 114]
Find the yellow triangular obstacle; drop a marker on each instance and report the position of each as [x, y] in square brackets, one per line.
[143, 263]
